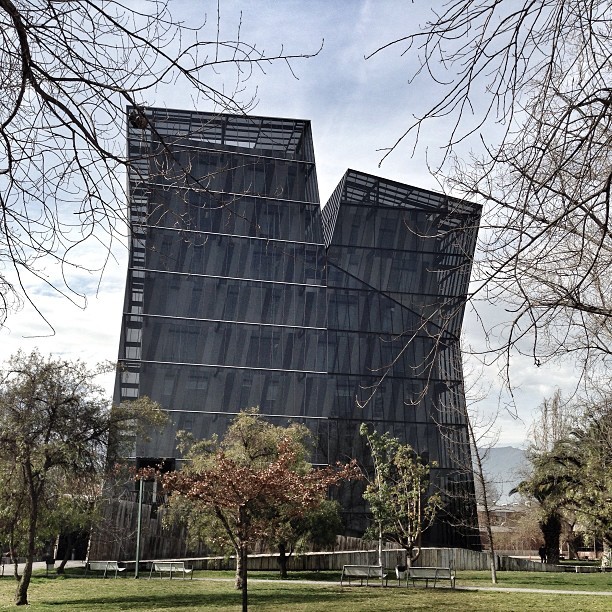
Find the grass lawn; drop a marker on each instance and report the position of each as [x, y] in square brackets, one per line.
[89, 594]
[565, 581]
[568, 581]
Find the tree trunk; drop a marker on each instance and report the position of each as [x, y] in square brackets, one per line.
[412, 554]
[572, 548]
[245, 600]
[551, 530]
[480, 475]
[13, 555]
[282, 559]
[21, 595]
[239, 561]
[68, 549]
[489, 530]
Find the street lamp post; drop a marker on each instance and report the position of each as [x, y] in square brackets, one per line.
[162, 465]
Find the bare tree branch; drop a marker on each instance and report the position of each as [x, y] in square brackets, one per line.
[68, 70]
[528, 84]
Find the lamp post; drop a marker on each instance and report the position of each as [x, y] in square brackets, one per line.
[139, 526]
[162, 465]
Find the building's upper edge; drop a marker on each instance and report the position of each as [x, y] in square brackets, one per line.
[274, 136]
[362, 188]
[329, 213]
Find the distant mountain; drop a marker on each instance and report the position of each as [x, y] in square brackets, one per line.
[505, 466]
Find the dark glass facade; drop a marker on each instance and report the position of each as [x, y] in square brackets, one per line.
[241, 293]
[398, 266]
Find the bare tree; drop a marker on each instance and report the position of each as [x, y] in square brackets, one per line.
[486, 494]
[528, 83]
[554, 420]
[67, 72]
[481, 436]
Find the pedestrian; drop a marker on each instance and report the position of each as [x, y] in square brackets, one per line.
[542, 553]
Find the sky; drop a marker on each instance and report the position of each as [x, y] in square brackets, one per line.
[358, 107]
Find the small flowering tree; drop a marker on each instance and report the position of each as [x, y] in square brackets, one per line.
[251, 497]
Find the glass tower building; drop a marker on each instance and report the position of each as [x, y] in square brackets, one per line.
[241, 293]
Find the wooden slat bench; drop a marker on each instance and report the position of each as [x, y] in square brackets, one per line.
[105, 566]
[170, 567]
[361, 572]
[428, 574]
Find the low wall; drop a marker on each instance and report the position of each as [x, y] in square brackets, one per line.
[527, 553]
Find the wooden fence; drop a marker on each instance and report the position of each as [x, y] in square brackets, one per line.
[459, 558]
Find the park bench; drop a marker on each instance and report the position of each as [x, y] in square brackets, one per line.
[105, 566]
[428, 574]
[361, 572]
[170, 567]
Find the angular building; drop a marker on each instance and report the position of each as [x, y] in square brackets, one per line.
[241, 293]
[398, 266]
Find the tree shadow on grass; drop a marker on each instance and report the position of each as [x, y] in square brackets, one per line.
[283, 599]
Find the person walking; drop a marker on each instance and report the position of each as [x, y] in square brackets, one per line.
[542, 553]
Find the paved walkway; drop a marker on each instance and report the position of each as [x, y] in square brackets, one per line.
[40, 565]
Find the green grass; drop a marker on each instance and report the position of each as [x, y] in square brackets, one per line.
[95, 594]
[565, 581]
[568, 581]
